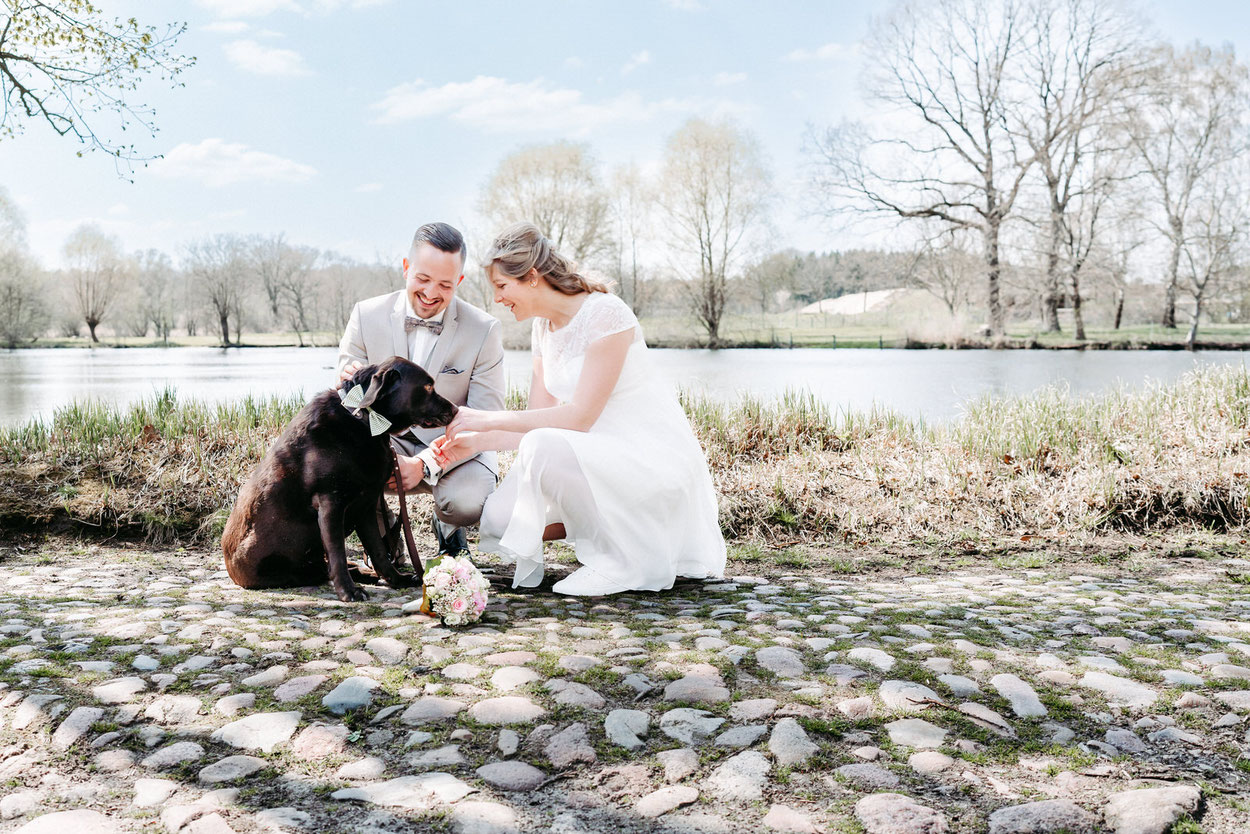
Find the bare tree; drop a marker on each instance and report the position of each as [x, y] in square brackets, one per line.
[23, 310]
[947, 71]
[715, 196]
[1190, 123]
[191, 302]
[217, 269]
[342, 282]
[131, 315]
[12, 223]
[631, 201]
[283, 274]
[1080, 59]
[946, 267]
[770, 279]
[96, 274]
[158, 290]
[475, 287]
[300, 289]
[556, 188]
[1091, 225]
[267, 258]
[66, 64]
[338, 291]
[1124, 232]
[1217, 246]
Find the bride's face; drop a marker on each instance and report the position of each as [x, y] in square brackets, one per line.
[517, 295]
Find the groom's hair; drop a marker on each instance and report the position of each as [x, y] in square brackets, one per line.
[442, 237]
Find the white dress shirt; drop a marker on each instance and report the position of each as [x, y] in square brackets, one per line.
[421, 339]
[420, 345]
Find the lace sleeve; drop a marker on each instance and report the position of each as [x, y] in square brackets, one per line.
[610, 315]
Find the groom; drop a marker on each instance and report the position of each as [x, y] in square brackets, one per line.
[460, 346]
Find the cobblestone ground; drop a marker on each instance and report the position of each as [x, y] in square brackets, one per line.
[142, 691]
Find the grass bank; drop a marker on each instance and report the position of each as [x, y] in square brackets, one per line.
[1169, 458]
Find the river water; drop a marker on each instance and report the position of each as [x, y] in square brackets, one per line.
[930, 384]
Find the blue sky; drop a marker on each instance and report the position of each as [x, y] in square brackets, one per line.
[346, 123]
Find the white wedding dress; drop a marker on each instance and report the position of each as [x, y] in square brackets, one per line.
[633, 492]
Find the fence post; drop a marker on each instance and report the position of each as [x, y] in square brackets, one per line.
[880, 343]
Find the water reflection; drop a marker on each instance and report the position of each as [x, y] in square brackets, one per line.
[930, 384]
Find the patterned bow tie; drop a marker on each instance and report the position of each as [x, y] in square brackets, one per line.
[411, 323]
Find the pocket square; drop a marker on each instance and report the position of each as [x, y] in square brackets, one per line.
[450, 370]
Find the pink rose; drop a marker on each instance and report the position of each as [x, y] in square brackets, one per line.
[458, 605]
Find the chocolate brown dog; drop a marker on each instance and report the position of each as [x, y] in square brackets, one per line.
[323, 478]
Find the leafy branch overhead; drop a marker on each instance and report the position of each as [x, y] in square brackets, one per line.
[69, 66]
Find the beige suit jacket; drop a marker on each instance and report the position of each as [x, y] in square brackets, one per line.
[466, 361]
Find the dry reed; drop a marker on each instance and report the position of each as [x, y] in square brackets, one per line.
[1168, 457]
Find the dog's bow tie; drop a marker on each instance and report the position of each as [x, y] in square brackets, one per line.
[411, 323]
[353, 398]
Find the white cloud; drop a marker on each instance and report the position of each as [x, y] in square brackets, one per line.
[635, 61]
[215, 162]
[226, 27]
[253, 57]
[829, 52]
[247, 8]
[496, 104]
[725, 79]
[368, 188]
[119, 210]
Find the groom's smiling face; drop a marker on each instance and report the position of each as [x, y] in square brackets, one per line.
[430, 279]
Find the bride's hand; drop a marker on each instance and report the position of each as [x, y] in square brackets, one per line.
[468, 419]
[448, 451]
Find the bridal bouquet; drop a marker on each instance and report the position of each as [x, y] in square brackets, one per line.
[455, 591]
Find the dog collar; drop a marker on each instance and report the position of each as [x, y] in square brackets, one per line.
[353, 399]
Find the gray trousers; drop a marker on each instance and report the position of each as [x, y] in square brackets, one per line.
[458, 495]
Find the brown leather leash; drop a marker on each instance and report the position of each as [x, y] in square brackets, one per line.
[417, 571]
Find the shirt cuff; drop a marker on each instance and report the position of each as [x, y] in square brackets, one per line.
[432, 469]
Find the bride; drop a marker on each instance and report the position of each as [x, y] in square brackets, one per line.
[605, 456]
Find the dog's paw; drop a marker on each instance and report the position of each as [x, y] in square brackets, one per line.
[352, 593]
[403, 580]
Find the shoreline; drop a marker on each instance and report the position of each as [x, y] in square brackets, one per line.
[1048, 466]
[905, 343]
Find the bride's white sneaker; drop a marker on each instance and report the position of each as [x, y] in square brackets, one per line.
[584, 582]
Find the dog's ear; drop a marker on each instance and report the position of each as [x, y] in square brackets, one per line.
[382, 379]
[361, 377]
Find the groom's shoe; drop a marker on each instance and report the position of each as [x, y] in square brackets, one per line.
[584, 582]
[454, 543]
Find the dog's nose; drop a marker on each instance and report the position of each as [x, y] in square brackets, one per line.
[454, 410]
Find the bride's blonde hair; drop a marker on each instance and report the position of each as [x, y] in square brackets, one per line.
[520, 248]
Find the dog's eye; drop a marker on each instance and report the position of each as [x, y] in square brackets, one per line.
[430, 388]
